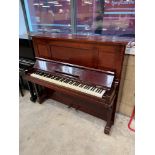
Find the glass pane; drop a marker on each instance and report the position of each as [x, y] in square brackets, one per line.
[48, 16]
[106, 17]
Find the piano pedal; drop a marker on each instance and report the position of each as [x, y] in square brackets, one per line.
[69, 106]
[77, 108]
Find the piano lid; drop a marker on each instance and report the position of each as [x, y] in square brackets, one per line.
[86, 38]
[93, 76]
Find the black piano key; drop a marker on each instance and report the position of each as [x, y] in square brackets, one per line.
[52, 77]
[77, 83]
[66, 80]
[74, 83]
[71, 82]
[92, 88]
[41, 73]
[101, 91]
[87, 87]
[44, 75]
[48, 75]
[62, 79]
[97, 90]
[84, 86]
[57, 78]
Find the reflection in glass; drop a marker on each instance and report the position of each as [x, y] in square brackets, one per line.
[42, 65]
[67, 69]
[93, 17]
[49, 16]
[106, 17]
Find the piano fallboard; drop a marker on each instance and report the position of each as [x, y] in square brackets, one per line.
[100, 80]
[93, 76]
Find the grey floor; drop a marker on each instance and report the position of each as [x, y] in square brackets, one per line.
[53, 129]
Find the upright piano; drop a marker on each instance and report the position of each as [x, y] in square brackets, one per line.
[83, 72]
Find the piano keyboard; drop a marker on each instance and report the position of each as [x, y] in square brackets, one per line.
[70, 83]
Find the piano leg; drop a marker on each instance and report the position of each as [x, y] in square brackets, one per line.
[109, 121]
[20, 88]
[41, 95]
[114, 111]
[37, 92]
[32, 93]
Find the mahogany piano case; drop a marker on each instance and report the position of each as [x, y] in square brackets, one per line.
[90, 57]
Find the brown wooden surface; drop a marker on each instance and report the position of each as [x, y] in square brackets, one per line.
[95, 60]
[88, 75]
[105, 53]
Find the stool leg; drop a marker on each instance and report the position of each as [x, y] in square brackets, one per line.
[37, 93]
[32, 93]
[20, 88]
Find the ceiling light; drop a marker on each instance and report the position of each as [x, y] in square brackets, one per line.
[36, 4]
[87, 2]
[58, 5]
[53, 2]
[45, 6]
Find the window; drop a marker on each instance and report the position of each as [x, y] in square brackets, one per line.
[87, 17]
[106, 17]
[48, 16]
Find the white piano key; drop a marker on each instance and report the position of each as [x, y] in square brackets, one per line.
[71, 86]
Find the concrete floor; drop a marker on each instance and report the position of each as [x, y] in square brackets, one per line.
[53, 129]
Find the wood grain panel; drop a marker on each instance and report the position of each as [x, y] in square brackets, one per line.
[71, 44]
[79, 56]
[95, 52]
[106, 60]
[111, 58]
[44, 51]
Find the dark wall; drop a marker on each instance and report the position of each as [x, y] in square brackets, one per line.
[26, 49]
